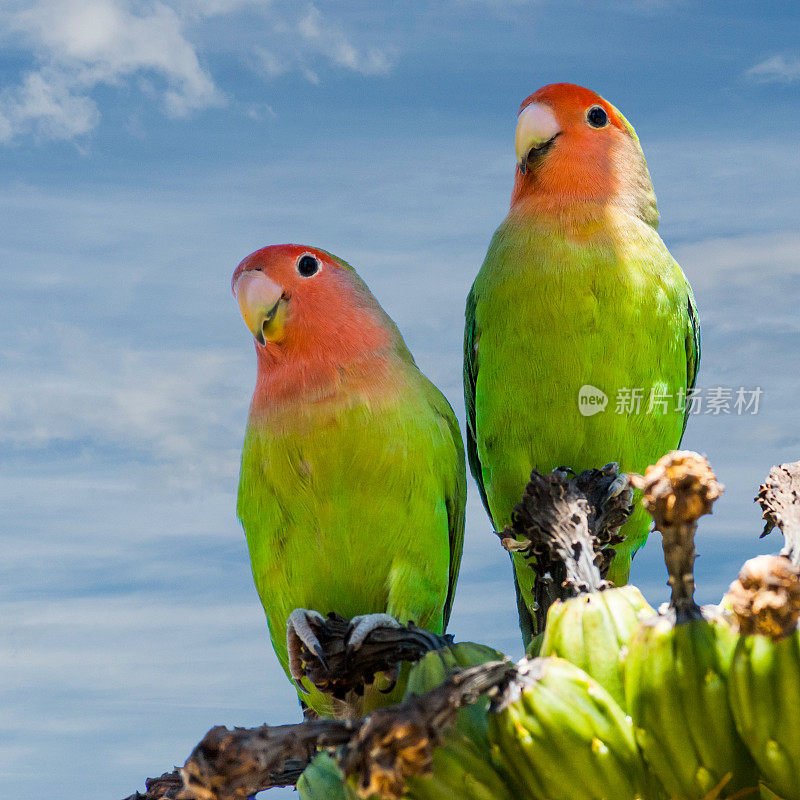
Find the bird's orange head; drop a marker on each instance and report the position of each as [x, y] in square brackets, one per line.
[310, 314]
[576, 149]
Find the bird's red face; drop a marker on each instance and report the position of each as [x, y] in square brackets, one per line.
[272, 279]
[571, 144]
[303, 302]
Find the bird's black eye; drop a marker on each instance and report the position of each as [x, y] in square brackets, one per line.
[596, 116]
[307, 266]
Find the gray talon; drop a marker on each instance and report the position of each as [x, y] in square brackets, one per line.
[298, 633]
[617, 487]
[362, 625]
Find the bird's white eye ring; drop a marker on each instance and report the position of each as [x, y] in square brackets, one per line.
[597, 117]
[307, 265]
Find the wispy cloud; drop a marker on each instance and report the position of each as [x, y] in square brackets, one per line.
[331, 41]
[169, 408]
[79, 46]
[324, 41]
[83, 44]
[46, 102]
[776, 69]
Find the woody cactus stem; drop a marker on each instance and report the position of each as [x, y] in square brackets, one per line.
[779, 498]
[395, 743]
[168, 786]
[679, 489]
[380, 750]
[766, 596]
[610, 497]
[235, 764]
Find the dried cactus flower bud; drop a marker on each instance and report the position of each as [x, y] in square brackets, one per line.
[765, 598]
[779, 498]
[678, 489]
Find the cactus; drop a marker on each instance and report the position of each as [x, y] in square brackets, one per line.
[677, 666]
[568, 524]
[557, 734]
[434, 667]
[765, 674]
[323, 780]
[593, 631]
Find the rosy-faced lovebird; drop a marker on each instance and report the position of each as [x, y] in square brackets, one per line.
[582, 337]
[353, 482]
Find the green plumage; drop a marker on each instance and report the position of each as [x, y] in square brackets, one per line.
[550, 312]
[354, 503]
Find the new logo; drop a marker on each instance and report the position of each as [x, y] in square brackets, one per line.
[591, 400]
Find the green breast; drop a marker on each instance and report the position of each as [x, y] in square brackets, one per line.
[339, 500]
[553, 316]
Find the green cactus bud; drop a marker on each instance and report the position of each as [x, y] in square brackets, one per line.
[322, 780]
[676, 670]
[767, 794]
[557, 734]
[431, 670]
[765, 673]
[462, 770]
[593, 630]
[676, 689]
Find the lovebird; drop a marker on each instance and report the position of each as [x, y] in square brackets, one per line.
[582, 338]
[353, 479]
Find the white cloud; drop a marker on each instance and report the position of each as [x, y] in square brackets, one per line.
[45, 102]
[749, 262]
[270, 63]
[331, 41]
[83, 44]
[80, 45]
[321, 39]
[170, 407]
[776, 69]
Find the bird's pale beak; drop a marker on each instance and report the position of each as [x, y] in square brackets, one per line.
[536, 129]
[260, 303]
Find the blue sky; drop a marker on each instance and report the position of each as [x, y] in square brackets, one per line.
[146, 147]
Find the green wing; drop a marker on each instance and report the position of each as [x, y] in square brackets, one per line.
[470, 381]
[692, 354]
[456, 498]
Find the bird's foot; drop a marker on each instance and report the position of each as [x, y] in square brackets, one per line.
[299, 635]
[361, 627]
[617, 487]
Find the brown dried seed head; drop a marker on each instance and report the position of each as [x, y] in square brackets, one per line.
[766, 597]
[678, 489]
[779, 498]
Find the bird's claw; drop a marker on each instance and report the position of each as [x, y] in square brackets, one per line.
[362, 625]
[299, 634]
[360, 628]
[617, 487]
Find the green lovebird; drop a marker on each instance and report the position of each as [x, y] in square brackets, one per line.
[582, 338]
[353, 481]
